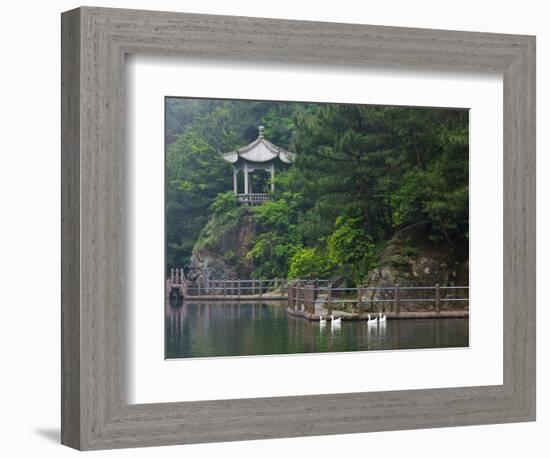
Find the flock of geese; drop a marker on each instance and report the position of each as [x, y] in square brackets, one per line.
[371, 320]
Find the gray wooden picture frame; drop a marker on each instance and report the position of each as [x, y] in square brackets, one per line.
[95, 411]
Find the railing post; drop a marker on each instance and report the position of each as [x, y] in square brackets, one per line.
[182, 277]
[171, 276]
[315, 290]
[260, 287]
[360, 298]
[305, 301]
[300, 295]
[289, 298]
[396, 299]
[306, 298]
[224, 288]
[239, 288]
[437, 298]
[329, 299]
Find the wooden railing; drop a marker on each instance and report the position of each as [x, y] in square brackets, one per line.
[305, 295]
[229, 288]
[232, 288]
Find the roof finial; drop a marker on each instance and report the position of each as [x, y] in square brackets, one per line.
[261, 131]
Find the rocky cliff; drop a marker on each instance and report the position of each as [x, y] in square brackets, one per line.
[411, 259]
[220, 251]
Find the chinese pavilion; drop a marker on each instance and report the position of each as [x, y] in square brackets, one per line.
[258, 155]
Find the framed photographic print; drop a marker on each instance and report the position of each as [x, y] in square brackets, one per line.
[247, 202]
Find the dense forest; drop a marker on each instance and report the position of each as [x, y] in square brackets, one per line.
[360, 174]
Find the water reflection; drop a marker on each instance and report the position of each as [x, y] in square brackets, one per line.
[236, 329]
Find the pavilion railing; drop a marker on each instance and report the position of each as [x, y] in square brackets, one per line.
[253, 199]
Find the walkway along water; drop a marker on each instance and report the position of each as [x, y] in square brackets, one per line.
[311, 299]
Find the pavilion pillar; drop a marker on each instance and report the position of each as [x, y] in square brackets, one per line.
[246, 190]
[235, 180]
[272, 177]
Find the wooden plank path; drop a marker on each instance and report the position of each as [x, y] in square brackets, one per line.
[241, 298]
[346, 316]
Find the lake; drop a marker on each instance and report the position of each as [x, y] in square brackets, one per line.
[198, 329]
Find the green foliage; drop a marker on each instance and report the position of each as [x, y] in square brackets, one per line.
[224, 202]
[279, 237]
[195, 175]
[308, 264]
[351, 248]
[360, 174]
[395, 165]
[349, 242]
[197, 131]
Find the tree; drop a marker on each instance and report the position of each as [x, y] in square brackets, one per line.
[360, 174]
[278, 236]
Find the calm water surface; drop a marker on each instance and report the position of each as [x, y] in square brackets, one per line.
[238, 329]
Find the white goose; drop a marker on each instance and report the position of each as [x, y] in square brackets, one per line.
[322, 320]
[381, 318]
[371, 320]
[336, 320]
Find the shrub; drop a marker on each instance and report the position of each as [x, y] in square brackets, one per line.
[308, 264]
[399, 261]
[224, 202]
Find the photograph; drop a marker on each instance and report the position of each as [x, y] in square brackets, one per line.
[301, 227]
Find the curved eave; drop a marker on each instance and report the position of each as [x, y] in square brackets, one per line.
[231, 157]
[259, 151]
[286, 157]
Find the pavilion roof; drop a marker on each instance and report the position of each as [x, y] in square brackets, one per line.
[260, 150]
